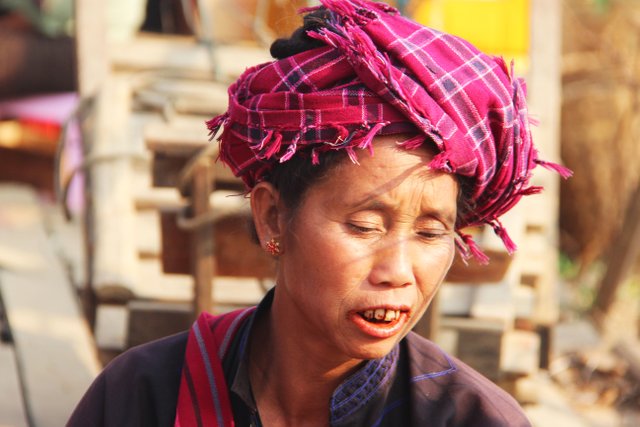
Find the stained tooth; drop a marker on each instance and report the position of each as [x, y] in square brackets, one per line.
[380, 313]
[368, 314]
[390, 315]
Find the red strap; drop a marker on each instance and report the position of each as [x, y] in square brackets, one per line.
[203, 399]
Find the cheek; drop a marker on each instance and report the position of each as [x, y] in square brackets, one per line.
[434, 267]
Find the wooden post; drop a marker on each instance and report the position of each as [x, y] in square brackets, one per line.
[201, 242]
[91, 46]
[622, 257]
[544, 98]
[92, 66]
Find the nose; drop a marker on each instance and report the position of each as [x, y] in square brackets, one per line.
[393, 264]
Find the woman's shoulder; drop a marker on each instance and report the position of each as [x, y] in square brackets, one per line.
[459, 394]
[146, 358]
[140, 384]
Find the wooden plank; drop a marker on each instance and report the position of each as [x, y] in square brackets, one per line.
[52, 340]
[91, 46]
[148, 241]
[154, 285]
[157, 198]
[12, 412]
[180, 54]
[111, 327]
[520, 354]
[201, 249]
[197, 97]
[494, 301]
[456, 300]
[184, 57]
[539, 263]
[183, 137]
[111, 227]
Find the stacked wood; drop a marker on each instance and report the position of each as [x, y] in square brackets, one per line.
[147, 124]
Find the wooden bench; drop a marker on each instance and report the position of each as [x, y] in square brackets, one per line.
[53, 345]
[12, 410]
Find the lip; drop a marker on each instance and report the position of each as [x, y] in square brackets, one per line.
[380, 330]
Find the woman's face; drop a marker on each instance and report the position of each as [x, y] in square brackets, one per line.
[365, 252]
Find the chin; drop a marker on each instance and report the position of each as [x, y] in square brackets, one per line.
[370, 351]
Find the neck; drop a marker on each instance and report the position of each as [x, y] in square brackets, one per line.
[292, 381]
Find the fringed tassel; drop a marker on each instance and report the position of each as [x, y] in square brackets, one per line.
[536, 189]
[215, 124]
[366, 142]
[501, 232]
[441, 162]
[343, 134]
[462, 248]
[291, 150]
[342, 7]
[472, 249]
[352, 155]
[263, 142]
[358, 10]
[561, 170]
[413, 143]
[274, 146]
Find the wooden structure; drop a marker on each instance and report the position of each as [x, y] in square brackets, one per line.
[147, 101]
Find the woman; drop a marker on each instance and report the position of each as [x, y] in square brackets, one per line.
[366, 147]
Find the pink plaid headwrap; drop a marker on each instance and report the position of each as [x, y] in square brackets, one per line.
[381, 73]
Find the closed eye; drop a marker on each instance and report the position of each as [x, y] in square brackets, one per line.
[433, 234]
[361, 229]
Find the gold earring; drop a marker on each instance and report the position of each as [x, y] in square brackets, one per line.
[272, 247]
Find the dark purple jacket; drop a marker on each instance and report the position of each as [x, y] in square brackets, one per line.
[416, 385]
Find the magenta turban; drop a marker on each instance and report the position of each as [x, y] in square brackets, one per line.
[381, 73]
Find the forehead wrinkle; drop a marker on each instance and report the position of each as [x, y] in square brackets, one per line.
[424, 176]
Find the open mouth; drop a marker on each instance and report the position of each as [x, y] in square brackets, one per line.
[381, 322]
[380, 315]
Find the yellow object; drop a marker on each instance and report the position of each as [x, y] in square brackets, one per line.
[499, 27]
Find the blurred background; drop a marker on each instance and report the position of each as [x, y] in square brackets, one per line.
[117, 226]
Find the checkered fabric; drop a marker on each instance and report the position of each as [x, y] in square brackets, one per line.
[381, 73]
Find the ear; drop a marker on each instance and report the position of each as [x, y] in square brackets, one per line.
[268, 212]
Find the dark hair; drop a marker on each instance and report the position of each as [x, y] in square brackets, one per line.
[300, 41]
